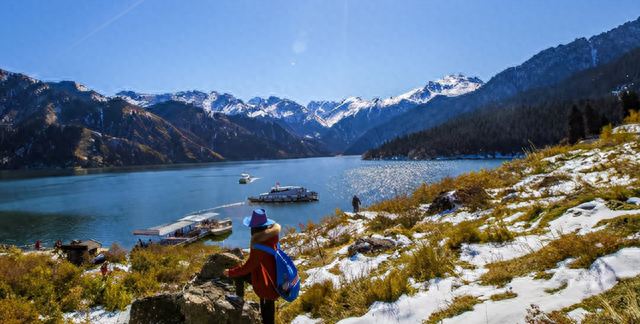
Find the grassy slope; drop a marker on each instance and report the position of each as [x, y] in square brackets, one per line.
[528, 201]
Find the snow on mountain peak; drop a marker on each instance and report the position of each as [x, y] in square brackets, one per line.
[450, 86]
[326, 113]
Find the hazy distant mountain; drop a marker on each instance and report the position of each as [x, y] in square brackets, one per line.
[545, 68]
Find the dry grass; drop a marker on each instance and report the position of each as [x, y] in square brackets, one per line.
[505, 295]
[585, 248]
[458, 306]
[557, 289]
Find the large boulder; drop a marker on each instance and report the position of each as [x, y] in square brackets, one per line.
[370, 245]
[206, 304]
[215, 265]
[160, 309]
[446, 200]
[201, 301]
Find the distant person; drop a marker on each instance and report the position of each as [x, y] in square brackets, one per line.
[355, 202]
[38, 245]
[260, 269]
[104, 269]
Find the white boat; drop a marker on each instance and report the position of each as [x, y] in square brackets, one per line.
[246, 178]
[285, 194]
[185, 230]
[222, 226]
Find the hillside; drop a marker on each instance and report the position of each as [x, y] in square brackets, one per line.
[555, 235]
[543, 69]
[65, 125]
[537, 117]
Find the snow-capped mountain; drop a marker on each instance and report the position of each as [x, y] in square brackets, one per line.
[450, 86]
[323, 113]
[336, 123]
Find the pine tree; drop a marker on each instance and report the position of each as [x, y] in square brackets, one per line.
[591, 121]
[630, 101]
[576, 125]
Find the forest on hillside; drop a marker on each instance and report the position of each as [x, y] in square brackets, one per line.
[537, 118]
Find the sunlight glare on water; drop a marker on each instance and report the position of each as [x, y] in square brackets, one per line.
[380, 181]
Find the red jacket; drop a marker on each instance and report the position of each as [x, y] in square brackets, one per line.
[261, 264]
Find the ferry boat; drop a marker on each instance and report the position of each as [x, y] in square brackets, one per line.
[185, 230]
[285, 194]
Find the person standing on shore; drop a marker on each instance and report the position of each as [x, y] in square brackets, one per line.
[355, 202]
[38, 245]
[260, 268]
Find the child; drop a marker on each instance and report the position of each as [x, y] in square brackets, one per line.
[260, 268]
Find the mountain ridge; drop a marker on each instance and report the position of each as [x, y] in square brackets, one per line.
[544, 68]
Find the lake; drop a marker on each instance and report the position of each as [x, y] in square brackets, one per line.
[109, 204]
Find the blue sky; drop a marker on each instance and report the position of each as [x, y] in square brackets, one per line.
[301, 50]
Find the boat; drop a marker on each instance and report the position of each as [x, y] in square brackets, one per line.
[246, 178]
[285, 194]
[185, 231]
[222, 227]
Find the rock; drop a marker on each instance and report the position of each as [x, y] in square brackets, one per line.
[369, 244]
[216, 264]
[445, 201]
[587, 205]
[159, 309]
[206, 304]
[201, 301]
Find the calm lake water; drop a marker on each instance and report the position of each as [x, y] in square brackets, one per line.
[108, 205]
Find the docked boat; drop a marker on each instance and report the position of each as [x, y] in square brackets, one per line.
[185, 230]
[246, 178]
[285, 194]
[222, 227]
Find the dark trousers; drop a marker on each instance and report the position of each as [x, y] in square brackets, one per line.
[267, 307]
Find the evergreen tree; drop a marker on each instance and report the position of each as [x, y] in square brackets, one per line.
[630, 101]
[592, 121]
[576, 125]
[604, 121]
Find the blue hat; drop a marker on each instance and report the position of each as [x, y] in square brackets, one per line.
[258, 219]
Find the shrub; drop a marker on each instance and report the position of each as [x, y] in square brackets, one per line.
[116, 254]
[390, 288]
[397, 205]
[116, 297]
[315, 296]
[497, 233]
[141, 284]
[381, 223]
[497, 276]
[429, 261]
[473, 197]
[17, 311]
[465, 232]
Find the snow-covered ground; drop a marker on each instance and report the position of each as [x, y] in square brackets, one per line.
[564, 288]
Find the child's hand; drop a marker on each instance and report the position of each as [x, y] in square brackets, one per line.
[225, 272]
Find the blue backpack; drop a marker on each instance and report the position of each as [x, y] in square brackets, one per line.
[288, 282]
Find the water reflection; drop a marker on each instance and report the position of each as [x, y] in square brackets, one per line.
[109, 205]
